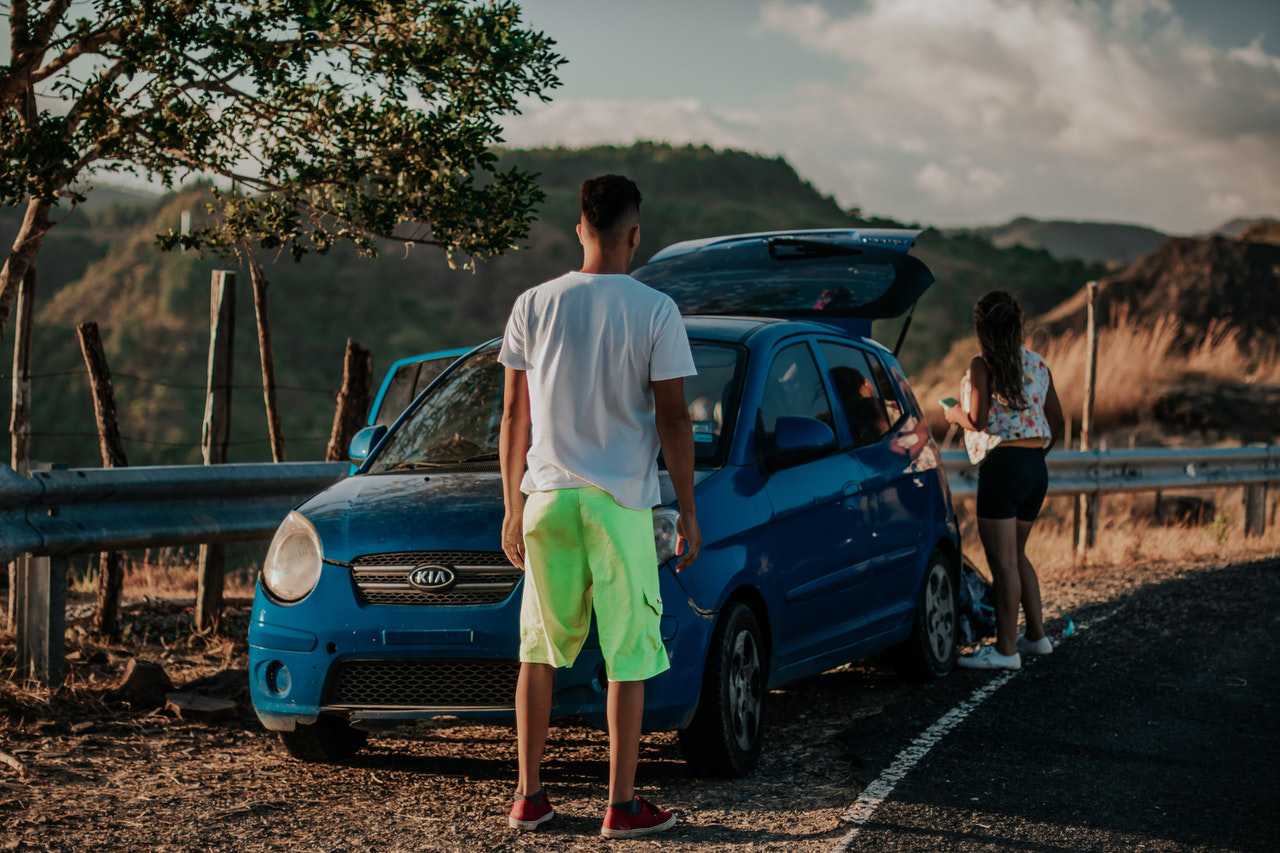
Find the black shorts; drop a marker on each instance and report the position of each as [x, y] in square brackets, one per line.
[1012, 482]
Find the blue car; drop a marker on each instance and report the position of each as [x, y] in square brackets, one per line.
[827, 523]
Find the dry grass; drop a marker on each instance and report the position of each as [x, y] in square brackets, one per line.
[1137, 362]
[168, 573]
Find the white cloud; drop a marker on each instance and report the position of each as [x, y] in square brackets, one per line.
[965, 103]
[602, 121]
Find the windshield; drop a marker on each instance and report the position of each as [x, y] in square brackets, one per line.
[458, 422]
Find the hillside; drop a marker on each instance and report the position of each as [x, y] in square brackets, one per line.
[1189, 345]
[1098, 242]
[153, 306]
[1238, 226]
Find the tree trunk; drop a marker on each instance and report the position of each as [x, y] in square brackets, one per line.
[22, 255]
[259, 282]
[20, 412]
[106, 618]
[353, 400]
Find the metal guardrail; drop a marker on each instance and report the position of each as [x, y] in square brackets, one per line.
[78, 510]
[1141, 469]
[55, 513]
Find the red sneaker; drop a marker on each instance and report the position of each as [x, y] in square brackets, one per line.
[641, 817]
[529, 813]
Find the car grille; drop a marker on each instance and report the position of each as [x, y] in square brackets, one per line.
[424, 684]
[483, 577]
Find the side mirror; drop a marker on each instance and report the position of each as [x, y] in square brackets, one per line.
[799, 439]
[364, 441]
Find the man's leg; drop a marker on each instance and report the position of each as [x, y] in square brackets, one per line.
[533, 718]
[625, 710]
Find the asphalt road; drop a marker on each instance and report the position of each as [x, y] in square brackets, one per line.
[1156, 730]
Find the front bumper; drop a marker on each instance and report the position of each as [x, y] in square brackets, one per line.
[408, 658]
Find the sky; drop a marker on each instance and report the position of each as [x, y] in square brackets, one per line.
[947, 112]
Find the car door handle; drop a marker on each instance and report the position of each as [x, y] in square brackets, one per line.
[852, 489]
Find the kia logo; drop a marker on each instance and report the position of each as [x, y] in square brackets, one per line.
[431, 577]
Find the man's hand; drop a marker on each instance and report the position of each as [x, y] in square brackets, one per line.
[513, 538]
[688, 532]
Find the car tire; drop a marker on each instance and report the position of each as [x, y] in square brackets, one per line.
[930, 652]
[725, 736]
[328, 740]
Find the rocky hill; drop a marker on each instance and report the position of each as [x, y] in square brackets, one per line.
[102, 264]
[1200, 283]
[1115, 243]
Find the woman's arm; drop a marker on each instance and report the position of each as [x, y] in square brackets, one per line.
[1053, 412]
[979, 399]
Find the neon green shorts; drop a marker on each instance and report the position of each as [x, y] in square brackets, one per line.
[582, 550]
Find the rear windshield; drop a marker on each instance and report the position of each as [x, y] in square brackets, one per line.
[458, 422]
[807, 288]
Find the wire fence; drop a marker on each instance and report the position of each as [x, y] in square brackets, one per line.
[164, 383]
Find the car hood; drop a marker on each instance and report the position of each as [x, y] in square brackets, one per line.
[431, 511]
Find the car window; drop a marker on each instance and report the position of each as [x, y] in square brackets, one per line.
[854, 383]
[458, 422]
[794, 388]
[891, 405]
[408, 380]
[711, 397]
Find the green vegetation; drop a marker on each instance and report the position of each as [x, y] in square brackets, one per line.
[153, 306]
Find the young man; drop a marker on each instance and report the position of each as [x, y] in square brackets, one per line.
[595, 365]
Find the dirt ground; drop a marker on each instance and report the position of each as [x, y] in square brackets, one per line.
[89, 773]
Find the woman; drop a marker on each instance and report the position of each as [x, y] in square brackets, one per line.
[1011, 416]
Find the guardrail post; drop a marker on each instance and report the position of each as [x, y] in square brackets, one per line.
[1255, 509]
[42, 618]
[1087, 531]
[215, 434]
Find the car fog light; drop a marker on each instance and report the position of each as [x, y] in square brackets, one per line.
[292, 567]
[277, 678]
[665, 532]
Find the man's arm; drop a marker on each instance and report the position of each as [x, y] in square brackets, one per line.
[513, 448]
[675, 431]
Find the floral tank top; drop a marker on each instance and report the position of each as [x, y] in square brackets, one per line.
[1005, 423]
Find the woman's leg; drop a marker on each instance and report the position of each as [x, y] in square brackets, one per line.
[1000, 541]
[1031, 607]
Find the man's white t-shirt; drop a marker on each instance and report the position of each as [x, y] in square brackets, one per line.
[590, 345]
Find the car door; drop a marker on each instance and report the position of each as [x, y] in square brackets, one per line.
[405, 379]
[813, 551]
[869, 404]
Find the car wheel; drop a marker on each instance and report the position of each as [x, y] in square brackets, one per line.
[724, 737]
[930, 651]
[327, 740]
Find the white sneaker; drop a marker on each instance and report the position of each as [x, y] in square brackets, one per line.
[1042, 646]
[988, 658]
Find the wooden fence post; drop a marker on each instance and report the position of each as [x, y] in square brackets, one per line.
[106, 619]
[215, 434]
[259, 283]
[1087, 532]
[41, 616]
[20, 412]
[1255, 509]
[353, 400]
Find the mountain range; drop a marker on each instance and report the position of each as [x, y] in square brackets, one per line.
[101, 263]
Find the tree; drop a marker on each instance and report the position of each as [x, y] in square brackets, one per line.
[332, 121]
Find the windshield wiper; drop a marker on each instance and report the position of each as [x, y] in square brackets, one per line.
[481, 457]
[416, 464]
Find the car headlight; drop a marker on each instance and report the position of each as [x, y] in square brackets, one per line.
[665, 532]
[292, 568]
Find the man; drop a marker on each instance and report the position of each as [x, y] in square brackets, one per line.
[595, 365]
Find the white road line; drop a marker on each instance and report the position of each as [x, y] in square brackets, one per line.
[879, 790]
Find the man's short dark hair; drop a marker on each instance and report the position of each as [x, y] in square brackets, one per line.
[607, 199]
